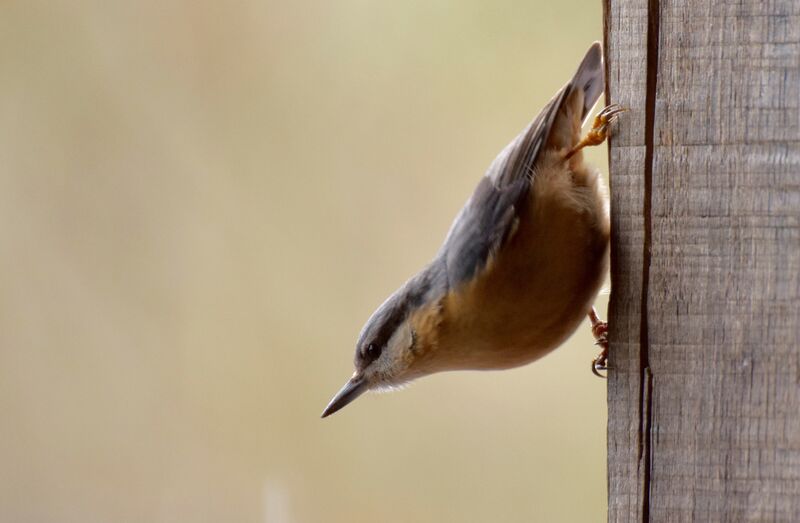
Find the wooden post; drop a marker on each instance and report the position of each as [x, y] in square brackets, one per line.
[704, 386]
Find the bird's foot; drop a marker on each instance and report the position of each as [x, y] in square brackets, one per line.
[600, 332]
[599, 130]
[600, 363]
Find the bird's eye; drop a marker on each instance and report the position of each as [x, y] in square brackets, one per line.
[373, 351]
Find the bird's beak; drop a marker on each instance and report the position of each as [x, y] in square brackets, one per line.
[354, 388]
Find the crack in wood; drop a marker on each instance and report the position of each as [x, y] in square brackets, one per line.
[645, 376]
[646, 440]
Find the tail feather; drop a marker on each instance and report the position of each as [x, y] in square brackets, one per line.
[550, 128]
[589, 78]
[580, 95]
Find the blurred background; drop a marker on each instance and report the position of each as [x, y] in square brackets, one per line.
[202, 202]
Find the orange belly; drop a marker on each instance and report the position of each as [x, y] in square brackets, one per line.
[539, 287]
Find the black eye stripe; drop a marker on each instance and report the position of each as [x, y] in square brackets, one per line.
[373, 351]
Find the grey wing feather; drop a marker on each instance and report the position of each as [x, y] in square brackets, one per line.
[488, 218]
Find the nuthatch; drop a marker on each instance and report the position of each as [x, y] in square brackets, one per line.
[520, 267]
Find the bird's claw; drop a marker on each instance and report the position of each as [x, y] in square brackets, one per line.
[607, 115]
[600, 333]
[600, 363]
[599, 131]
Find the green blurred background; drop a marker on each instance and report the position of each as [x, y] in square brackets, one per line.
[201, 203]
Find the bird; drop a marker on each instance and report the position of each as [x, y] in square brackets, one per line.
[520, 267]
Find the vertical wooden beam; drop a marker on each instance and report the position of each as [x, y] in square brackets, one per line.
[704, 391]
[626, 56]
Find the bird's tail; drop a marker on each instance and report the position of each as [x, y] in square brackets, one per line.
[589, 78]
[578, 98]
[556, 125]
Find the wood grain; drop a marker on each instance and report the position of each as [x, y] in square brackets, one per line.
[704, 391]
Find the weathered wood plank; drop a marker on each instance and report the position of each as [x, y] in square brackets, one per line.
[626, 51]
[718, 438]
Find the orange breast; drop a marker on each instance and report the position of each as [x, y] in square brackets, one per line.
[539, 286]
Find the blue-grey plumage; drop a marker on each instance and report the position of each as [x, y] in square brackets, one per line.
[519, 268]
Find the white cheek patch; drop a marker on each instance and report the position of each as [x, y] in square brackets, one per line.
[392, 359]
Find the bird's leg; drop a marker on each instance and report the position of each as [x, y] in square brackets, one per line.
[599, 131]
[600, 332]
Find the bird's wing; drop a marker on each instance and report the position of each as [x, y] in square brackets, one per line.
[487, 220]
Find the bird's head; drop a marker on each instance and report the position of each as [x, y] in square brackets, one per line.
[392, 347]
